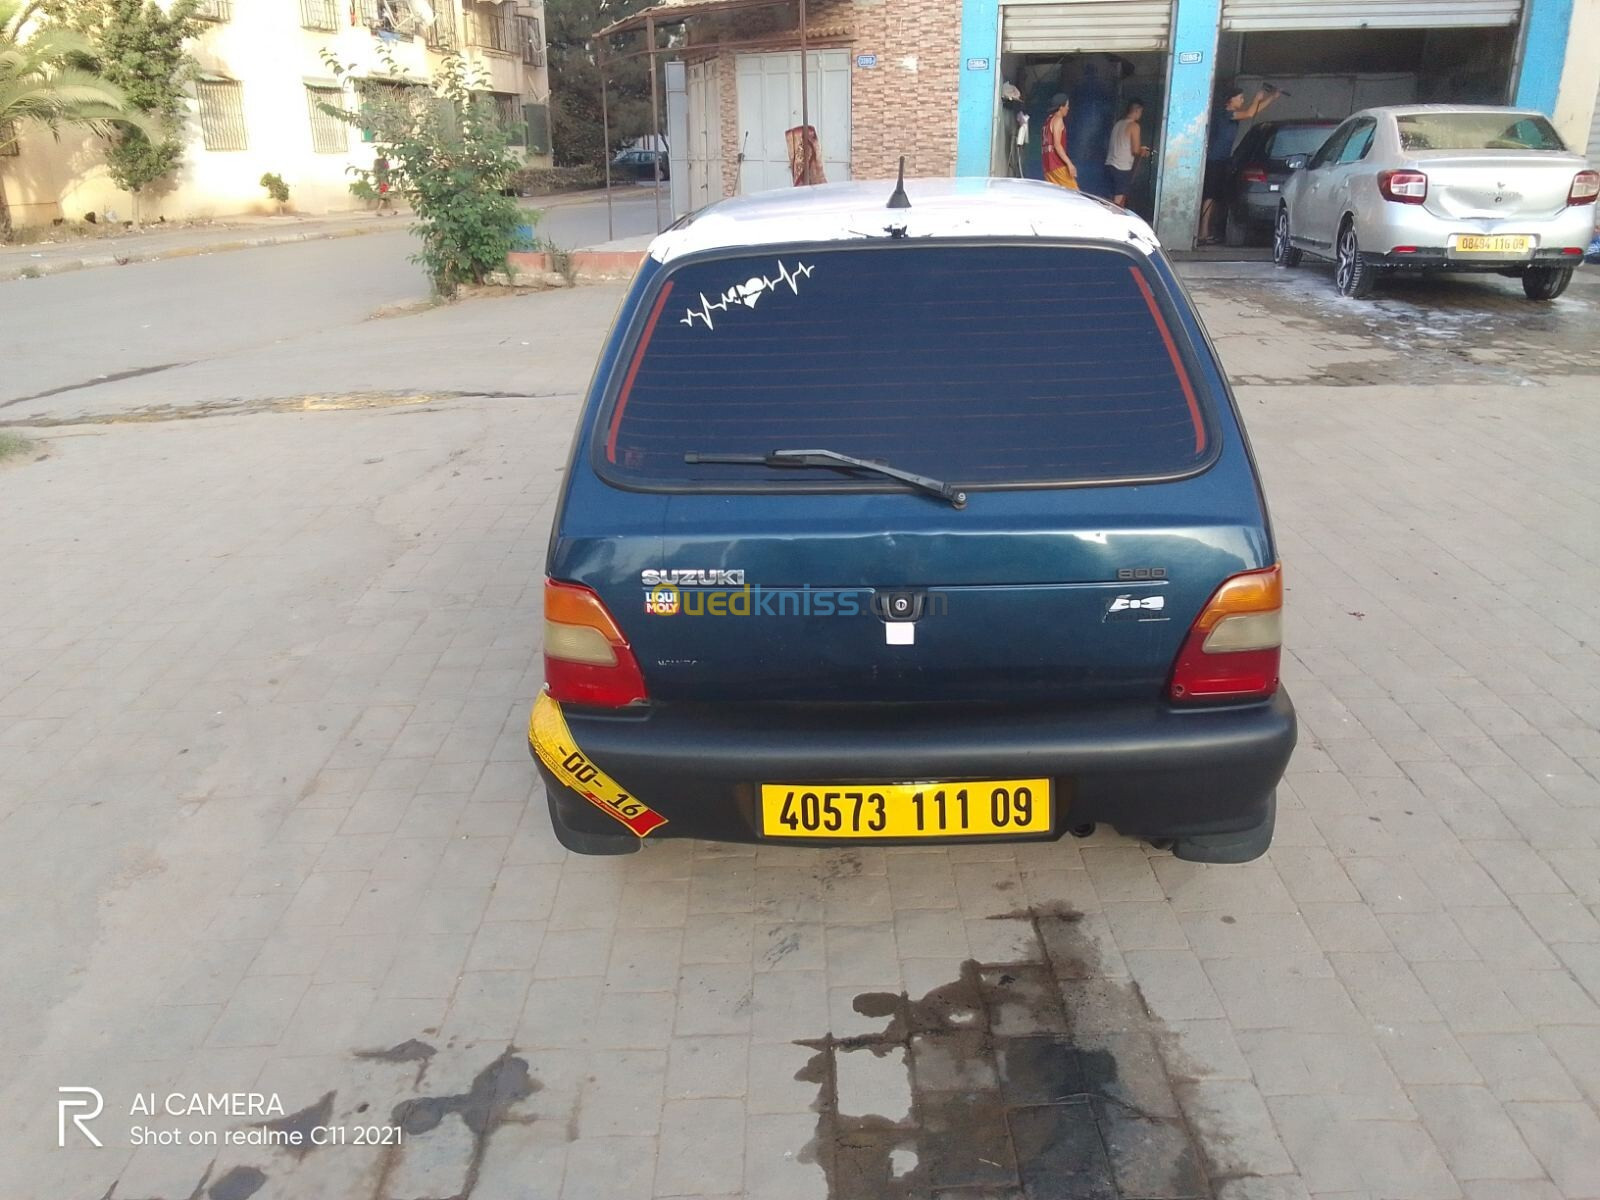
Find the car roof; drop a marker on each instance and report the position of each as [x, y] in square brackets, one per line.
[1406, 110]
[940, 208]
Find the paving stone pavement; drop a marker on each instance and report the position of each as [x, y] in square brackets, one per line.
[268, 823]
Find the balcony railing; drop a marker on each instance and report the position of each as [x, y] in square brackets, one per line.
[532, 36]
[442, 33]
[322, 14]
[215, 10]
[488, 28]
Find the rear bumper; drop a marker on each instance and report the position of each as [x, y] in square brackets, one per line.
[1149, 770]
[1388, 225]
[1438, 258]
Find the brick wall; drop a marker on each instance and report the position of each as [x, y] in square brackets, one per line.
[905, 105]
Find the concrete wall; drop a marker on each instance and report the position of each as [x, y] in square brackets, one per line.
[263, 47]
[1580, 75]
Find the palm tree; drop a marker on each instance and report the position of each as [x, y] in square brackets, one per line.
[41, 85]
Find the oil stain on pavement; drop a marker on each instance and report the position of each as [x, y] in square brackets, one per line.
[1037, 1079]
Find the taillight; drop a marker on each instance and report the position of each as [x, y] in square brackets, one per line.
[1585, 187]
[586, 658]
[1233, 647]
[1403, 187]
[1253, 175]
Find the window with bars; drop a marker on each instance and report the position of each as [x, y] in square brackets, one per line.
[538, 118]
[221, 114]
[215, 10]
[532, 41]
[508, 108]
[329, 135]
[492, 29]
[389, 90]
[322, 14]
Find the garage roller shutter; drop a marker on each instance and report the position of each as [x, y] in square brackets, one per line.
[1086, 25]
[1247, 15]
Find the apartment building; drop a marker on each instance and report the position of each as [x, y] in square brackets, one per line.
[257, 102]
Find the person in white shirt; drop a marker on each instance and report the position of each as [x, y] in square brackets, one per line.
[1125, 149]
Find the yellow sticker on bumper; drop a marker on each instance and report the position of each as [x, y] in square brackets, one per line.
[554, 744]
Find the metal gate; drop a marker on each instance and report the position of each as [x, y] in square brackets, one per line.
[1248, 15]
[769, 105]
[1064, 26]
[703, 153]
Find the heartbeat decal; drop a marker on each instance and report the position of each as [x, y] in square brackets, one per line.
[747, 293]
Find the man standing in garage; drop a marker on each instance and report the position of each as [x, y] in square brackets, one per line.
[1226, 116]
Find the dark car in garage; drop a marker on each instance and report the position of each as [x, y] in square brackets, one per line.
[1260, 167]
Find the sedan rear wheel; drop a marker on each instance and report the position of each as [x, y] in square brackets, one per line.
[1545, 283]
[1283, 251]
[1352, 273]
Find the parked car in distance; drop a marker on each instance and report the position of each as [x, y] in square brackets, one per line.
[838, 557]
[1259, 169]
[639, 164]
[1443, 187]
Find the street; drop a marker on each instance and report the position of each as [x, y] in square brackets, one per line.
[263, 323]
[270, 608]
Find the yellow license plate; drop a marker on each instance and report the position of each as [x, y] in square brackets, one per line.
[971, 808]
[1485, 244]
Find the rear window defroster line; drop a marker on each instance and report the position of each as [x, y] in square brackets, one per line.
[1172, 352]
[633, 371]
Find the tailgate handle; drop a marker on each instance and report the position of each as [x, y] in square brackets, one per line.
[898, 604]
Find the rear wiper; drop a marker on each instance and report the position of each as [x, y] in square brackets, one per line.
[833, 460]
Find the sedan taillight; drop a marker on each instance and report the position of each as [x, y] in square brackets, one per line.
[1403, 187]
[1585, 187]
[1253, 175]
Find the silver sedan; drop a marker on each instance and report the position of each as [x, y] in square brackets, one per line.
[1446, 187]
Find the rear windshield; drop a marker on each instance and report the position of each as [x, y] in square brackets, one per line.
[973, 364]
[1299, 139]
[1477, 131]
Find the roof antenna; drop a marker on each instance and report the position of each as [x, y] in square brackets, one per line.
[899, 199]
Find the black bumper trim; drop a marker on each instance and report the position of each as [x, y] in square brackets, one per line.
[1150, 770]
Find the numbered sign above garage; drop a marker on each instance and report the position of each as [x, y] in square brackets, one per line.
[1085, 25]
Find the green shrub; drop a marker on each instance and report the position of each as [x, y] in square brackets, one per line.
[276, 188]
[449, 158]
[544, 181]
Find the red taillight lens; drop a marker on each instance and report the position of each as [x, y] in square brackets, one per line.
[586, 658]
[1403, 187]
[1233, 647]
[1585, 187]
[1253, 175]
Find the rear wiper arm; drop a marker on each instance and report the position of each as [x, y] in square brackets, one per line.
[833, 460]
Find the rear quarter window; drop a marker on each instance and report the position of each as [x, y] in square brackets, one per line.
[981, 365]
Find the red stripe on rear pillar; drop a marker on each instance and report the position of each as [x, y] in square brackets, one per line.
[633, 370]
[1177, 363]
